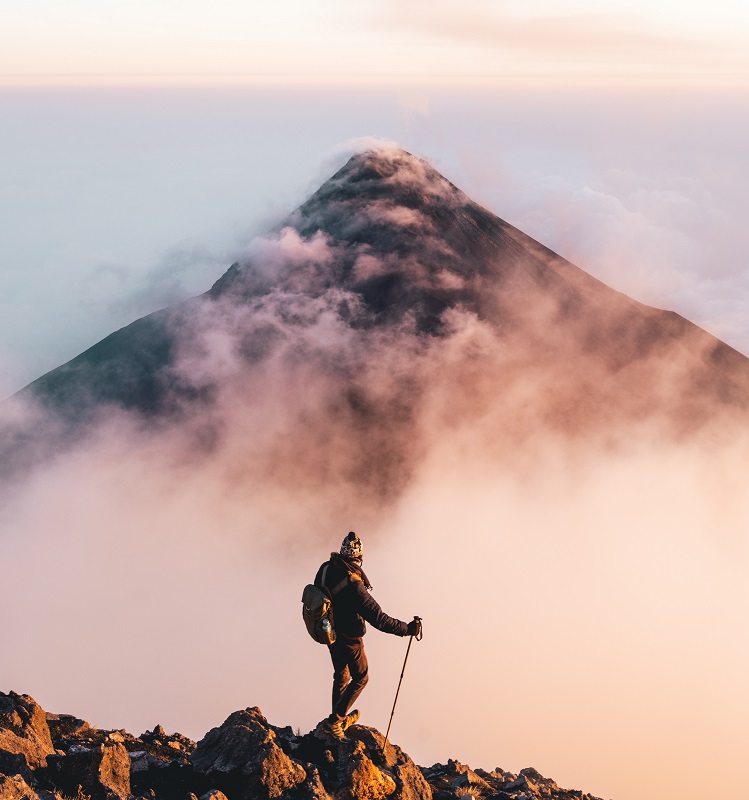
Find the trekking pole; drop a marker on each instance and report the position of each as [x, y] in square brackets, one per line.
[397, 692]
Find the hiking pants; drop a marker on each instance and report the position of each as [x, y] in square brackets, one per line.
[350, 673]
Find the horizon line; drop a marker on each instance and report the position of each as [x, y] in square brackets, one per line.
[370, 82]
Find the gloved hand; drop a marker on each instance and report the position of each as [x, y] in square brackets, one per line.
[414, 627]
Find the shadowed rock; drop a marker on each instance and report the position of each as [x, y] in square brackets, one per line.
[15, 764]
[243, 758]
[102, 772]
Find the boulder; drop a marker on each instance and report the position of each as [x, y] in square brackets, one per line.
[24, 729]
[470, 780]
[66, 727]
[14, 764]
[141, 761]
[102, 772]
[313, 788]
[533, 784]
[410, 783]
[359, 778]
[15, 788]
[242, 757]
[168, 780]
[165, 746]
[214, 794]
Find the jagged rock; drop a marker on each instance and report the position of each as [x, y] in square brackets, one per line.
[15, 788]
[24, 729]
[164, 746]
[214, 794]
[470, 780]
[243, 758]
[159, 765]
[65, 726]
[441, 777]
[69, 732]
[102, 772]
[410, 783]
[141, 761]
[359, 778]
[14, 764]
[532, 783]
[313, 788]
[167, 780]
[455, 780]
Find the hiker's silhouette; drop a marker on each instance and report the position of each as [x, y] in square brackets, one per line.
[353, 607]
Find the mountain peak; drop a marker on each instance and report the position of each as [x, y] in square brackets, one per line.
[389, 255]
[387, 227]
[390, 173]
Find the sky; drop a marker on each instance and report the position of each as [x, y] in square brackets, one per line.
[334, 42]
[143, 145]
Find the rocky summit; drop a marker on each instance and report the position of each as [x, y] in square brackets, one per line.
[46, 756]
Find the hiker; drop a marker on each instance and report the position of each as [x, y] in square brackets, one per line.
[344, 578]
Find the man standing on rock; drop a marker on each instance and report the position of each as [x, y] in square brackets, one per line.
[344, 579]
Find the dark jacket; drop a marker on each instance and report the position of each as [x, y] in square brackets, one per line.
[353, 604]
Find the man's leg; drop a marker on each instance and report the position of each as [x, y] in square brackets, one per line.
[341, 675]
[356, 661]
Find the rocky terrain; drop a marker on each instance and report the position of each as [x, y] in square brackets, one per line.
[46, 756]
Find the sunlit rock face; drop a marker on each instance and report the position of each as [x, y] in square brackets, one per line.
[385, 309]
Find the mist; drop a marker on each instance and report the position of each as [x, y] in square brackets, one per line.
[580, 568]
[584, 613]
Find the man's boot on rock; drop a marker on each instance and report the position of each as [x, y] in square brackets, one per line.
[335, 727]
[350, 719]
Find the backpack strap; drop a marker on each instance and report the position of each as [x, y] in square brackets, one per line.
[351, 576]
[341, 585]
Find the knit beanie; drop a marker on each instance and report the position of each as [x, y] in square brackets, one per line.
[351, 547]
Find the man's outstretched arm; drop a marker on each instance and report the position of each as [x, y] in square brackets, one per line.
[370, 609]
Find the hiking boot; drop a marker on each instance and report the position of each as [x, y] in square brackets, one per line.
[350, 719]
[335, 729]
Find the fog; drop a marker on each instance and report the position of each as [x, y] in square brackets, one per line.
[583, 587]
[584, 613]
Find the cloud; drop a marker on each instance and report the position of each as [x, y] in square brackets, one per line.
[569, 521]
[670, 245]
[599, 583]
[181, 272]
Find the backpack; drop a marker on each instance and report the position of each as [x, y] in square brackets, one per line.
[317, 608]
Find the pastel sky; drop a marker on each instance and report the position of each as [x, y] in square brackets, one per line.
[382, 42]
